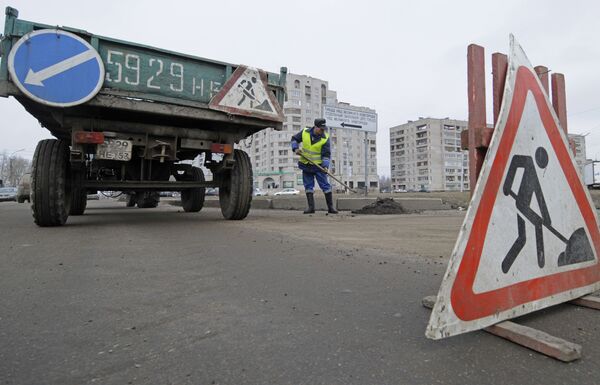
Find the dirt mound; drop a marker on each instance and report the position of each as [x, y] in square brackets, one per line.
[382, 206]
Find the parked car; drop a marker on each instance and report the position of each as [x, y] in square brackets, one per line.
[259, 193]
[212, 191]
[399, 190]
[8, 194]
[287, 191]
[24, 189]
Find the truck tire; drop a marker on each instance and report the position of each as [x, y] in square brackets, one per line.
[147, 200]
[235, 192]
[192, 200]
[78, 194]
[51, 183]
[130, 200]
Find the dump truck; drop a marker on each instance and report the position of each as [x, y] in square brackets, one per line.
[134, 119]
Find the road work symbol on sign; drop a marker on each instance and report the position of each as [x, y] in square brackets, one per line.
[246, 93]
[56, 68]
[530, 237]
[578, 248]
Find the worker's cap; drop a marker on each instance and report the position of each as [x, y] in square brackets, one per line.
[321, 123]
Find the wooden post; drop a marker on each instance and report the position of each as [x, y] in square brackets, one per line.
[559, 99]
[499, 68]
[477, 119]
[542, 73]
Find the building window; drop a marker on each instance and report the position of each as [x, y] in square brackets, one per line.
[297, 84]
[295, 111]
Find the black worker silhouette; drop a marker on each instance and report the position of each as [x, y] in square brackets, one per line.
[247, 91]
[578, 246]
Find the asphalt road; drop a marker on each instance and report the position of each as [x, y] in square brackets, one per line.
[157, 296]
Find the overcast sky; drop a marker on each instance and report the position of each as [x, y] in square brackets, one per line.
[403, 58]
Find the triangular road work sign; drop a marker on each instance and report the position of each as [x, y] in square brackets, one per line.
[246, 93]
[530, 238]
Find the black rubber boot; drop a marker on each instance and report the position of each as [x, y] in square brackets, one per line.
[329, 200]
[310, 197]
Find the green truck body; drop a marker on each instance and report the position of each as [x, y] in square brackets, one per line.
[140, 71]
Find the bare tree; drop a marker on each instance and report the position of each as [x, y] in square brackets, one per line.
[12, 168]
[385, 183]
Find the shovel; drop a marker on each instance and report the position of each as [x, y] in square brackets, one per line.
[578, 247]
[327, 172]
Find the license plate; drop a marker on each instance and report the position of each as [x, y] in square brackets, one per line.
[114, 149]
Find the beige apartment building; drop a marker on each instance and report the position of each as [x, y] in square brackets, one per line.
[426, 155]
[273, 162]
[580, 154]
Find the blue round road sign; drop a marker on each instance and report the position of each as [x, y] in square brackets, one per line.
[56, 68]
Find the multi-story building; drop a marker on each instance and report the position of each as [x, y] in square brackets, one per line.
[426, 155]
[578, 142]
[273, 161]
[348, 154]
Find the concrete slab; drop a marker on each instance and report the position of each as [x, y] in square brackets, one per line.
[261, 204]
[349, 204]
[298, 203]
[419, 204]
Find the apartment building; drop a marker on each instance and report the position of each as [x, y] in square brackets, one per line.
[426, 155]
[274, 163]
[578, 141]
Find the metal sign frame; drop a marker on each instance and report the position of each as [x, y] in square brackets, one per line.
[215, 104]
[95, 55]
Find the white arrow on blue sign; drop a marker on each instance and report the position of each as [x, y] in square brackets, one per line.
[56, 68]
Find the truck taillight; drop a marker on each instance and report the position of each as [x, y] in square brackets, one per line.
[221, 148]
[88, 137]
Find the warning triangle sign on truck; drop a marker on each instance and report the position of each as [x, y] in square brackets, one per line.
[246, 93]
[530, 238]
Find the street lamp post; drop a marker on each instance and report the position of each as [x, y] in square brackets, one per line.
[10, 167]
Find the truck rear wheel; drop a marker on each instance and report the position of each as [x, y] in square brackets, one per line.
[78, 194]
[192, 200]
[235, 193]
[147, 200]
[51, 183]
[130, 200]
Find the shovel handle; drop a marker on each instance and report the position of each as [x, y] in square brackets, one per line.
[326, 172]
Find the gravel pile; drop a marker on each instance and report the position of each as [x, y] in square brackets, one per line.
[382, 206]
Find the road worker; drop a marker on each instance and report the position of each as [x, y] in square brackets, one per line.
[316, 148]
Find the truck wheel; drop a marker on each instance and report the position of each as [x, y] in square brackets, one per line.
[130, 200]
[192, 199]
[78, 194]
[147, 200]
[51, 183]
[235, 192]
